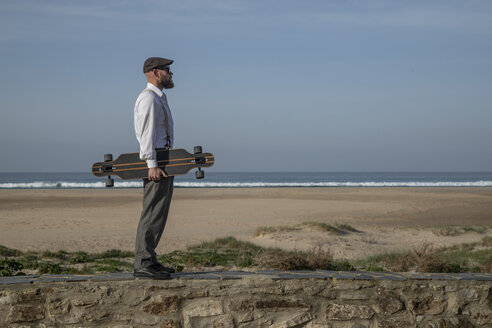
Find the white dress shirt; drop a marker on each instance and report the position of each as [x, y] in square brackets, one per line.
[151, 127]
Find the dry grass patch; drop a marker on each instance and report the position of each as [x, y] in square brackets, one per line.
[486, 241]
[282, 260]
[452, 231]
[317, 258]
[337, 229]
[371, 239]
[261, 231]
[470, 257]
[232, 253]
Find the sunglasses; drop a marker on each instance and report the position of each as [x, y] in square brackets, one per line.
[164, 68]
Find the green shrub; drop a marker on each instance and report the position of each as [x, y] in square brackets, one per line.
[49, 268]
[9, 267]
[80, 257]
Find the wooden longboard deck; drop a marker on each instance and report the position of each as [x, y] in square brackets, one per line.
[173, 162]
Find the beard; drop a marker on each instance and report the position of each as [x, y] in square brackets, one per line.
[168, 84]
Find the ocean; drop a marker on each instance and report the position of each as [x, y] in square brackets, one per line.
[258, 180]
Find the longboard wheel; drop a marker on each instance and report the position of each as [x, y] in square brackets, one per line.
[200, 174]
[198, 149]
[109, 182]
[108, 157]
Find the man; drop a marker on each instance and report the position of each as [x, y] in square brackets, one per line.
[154, 130]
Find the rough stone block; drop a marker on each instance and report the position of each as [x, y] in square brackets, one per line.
[133, 296]
[295, 321]
[96, 315]
[489, 298]
[57, 307]
[454, 304]
[23, 313]
[314, 289]
[195, 293]
[220, 321]
[280, 303]
[363, 294]
[293, 287]
[85, 303]
[391, 285]
[447, 323]
[123, 315]
[388, 302]
[5, 300]
[352, 284]
[146, 321]
[335, 311]
[272, 290]
[167, 323]
[482, 318]
[224, 291]
[452, 286]
[245, 317]
[163, 305]
[259, 321]
[427, 305]
[30, 296]
[316, 324]
[419, 284]
[83, 314]
[358, 325]
[201, 309]
[204, 307]
[396, 324]
[468, 295]
[240, 304]
[329, 293]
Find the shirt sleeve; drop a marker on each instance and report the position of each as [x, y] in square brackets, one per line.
[145, 129]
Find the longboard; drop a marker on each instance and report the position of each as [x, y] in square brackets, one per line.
[174, 162]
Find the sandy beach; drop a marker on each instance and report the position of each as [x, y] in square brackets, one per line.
[387, 219]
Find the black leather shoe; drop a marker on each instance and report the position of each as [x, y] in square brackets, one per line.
[160, 267]
[151, 272]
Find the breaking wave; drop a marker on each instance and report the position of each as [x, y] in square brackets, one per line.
[330, 184]
[67, 185]
[211, 184]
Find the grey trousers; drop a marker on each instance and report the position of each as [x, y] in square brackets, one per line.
[156, 201]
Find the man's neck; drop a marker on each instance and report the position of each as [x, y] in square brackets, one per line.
[156, 85]
[155, 89]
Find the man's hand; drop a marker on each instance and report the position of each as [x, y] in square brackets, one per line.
[155, 174]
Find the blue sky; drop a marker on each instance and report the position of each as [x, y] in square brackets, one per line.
[265, 85]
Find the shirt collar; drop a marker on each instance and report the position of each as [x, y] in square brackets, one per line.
[155, 89]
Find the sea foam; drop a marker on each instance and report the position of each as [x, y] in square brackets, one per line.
[211, 184]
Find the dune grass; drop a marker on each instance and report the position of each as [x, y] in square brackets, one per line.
[469, 257]
[451, 231]
[230, 253]
[337, 228]
[62, 262]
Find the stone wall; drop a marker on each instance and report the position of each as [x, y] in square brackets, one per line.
[241, 299]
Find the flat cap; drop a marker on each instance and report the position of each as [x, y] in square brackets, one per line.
[155, 62]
